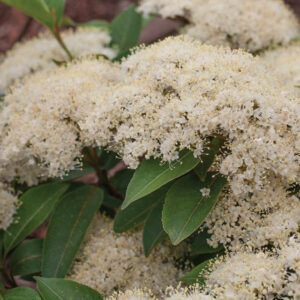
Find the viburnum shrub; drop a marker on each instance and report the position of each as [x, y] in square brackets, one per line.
[166, 171]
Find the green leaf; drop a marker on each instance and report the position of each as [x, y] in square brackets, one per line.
[194, 276]
[2, 288]
[1, 241]
[185, 208]
[138, 211]
[67, 229]
[77, 173]
[96, 23]
[153, 230]
[21, 293]
[108, 160]
[207, 159]
[200, 245]
[151, 175]
[62, 289]
[126, 28]
[56, 7]
[37, 204]
[37, 9]
[111, 201]
[44, 11]
[2, 96]
[26, 258]
[122, 179]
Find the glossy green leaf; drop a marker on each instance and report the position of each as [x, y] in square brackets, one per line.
[21, 293]
[67, 229]
[26, 258]
[56, 7]
[151, 175]
[185, 208]
[153, 232]
[62, 289]
[37, 204]
[200, 245]
[194, 276]
[126, 29]
[138, 211]
[37, 9]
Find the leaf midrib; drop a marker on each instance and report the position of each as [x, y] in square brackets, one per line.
[157, 177]
[72, 231]
[49, 288]
[29, 220]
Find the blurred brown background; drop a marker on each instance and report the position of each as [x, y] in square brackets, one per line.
[15, 26]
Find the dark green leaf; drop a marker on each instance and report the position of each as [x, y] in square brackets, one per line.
[153, 230]
[151, 175]
[2, 288]
[26, 258]
[111, 201]
[200, 245]
[122, 179]
[207, 159]
[37, 204]
[126, 28]
[37, 9]
[185, 208]
[2, 95]
[62, 289]
[138, 211]
[194, 276]
[67, 228]
[21, 293]
[1, 241]
[86, 169]
[108, 159]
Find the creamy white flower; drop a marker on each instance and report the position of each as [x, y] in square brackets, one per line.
[41, 120]
[285, 62]
[166, 8]
[110, 261]
[8, 204]
[38, 53]
[248, 24]
[177, 93]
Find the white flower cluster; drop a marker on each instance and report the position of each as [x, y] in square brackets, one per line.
[162, 99]
[248, 24]
[38, 53]
[40, 120]
[166, 8]
[8, 205]
[111, 262]
[243, 276]
[285, 62]
[257, 275]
